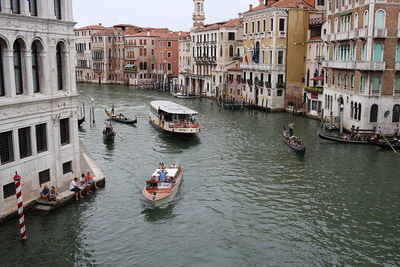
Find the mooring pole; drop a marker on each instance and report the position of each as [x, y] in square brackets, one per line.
[94, 121]
[21, 217]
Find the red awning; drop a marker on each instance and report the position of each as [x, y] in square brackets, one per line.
[318, 78]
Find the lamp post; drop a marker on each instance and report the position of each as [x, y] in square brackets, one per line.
[341, 118]
[94, 121]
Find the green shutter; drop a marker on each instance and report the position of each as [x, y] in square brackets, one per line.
[398, 53]
[376, 85]
[378, 51]
[397, 85]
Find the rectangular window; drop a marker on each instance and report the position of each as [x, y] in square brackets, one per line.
[264, 25]
[397, 86]
[44, 177]
[24, 140]
[67, 167]
[279, 93]
[57, 9]
[64, 131]
[169, 54]
[9, 190]
[15, 7]
[246, 28]
[33, 7]
[258, 26]
[271, 25]
[280, 78]
[362, 84]
[41, 138]
[169, 66]
[6, 147]
[314, 105]
[280, 57]
[252, 27]
[169, 44]
[376, 85]
[231, 36]
[281, 24]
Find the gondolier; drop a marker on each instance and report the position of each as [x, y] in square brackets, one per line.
[291, 127]
[378, 133]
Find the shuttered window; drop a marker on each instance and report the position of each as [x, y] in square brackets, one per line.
[57, 9]
[9, 190]
[6, 147]
[67, 167]
[44, 177]
[41, 138]
[64, 131]
[24, 140]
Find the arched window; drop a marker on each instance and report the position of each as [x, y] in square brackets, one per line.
[145, 52]
[220, 51]
[145, 65]
[308, 78]
[15, 6]
[141, 66]
[335, 25]
[366, 18]
[374, 113]
[36, 49]
[257, 54]
[364, 52]
[351, 110]
[356, 21]
[231, 51]
[355, 110]
[17, 56]
[378, 52]
[2, 87]
[380, 19]
[396, 113]
[359, 111]
[60, 69]
[57, 9]
[109, 53]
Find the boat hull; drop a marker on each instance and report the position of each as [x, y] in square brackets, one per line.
[127, 121]
[164, 126]
[299, 149]
[384, 144]
[341, 140]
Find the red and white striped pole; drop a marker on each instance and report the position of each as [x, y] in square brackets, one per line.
[21, 217]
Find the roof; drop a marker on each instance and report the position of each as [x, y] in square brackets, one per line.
[301, 4]
[91, 27]
[172, 108]
[237, 22]
[106, 31]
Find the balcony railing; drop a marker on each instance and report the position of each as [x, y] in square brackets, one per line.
[280, 85]
[371, 65]
[342, 36]
[353, 34]
[380, 33]
[339, 64]
[362, 33]
[262, 67]
[314, 89]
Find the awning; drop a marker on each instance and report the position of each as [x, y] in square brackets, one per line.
[318, 78]
[345, 14]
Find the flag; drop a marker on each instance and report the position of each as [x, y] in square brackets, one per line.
[246, 59]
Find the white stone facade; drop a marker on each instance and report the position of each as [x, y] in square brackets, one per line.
[38, 109]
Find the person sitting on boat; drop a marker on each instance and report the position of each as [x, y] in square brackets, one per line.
[163, 175]
[378, 133]
[174, 166]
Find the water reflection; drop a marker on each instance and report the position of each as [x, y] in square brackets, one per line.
[157, 214]
[110, 145]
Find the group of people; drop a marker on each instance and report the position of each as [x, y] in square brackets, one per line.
[163, 173]
[86, 181]
[49, 194]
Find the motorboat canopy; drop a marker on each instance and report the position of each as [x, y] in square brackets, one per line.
[172, 108]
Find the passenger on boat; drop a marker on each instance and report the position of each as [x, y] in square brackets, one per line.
[378, 133]
[163, 175]
[45, 194]
[108, 126]
[174, 166]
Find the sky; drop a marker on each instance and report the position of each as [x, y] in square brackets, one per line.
[173, 14]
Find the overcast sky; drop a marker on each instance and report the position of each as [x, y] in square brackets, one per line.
[173, 14]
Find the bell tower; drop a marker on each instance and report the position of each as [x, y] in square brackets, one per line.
[198, 14]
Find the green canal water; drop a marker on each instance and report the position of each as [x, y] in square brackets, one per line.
[246, 198]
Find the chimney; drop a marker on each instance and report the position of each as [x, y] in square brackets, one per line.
[250, 7]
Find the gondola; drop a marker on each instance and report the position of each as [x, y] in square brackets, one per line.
[109, 135]
[341, 140]
[80, 121]
[293, 142]
[385, 143]
[115, 117]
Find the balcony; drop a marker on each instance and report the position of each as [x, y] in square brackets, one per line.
[353, 34]
[397, 66]
[282, 34]
[362, 33]
[339, 64]
[380, 33]
[342, 36]
[371, 65]
[314, 89]
[262, 67]
[280, 85]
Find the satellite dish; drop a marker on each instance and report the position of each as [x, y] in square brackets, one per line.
[387, 113]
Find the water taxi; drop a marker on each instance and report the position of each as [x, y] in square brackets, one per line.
[160, 191]
[173, 118]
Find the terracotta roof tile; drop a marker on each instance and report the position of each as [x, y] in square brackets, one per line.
[305, 4]
[91, 27]
[237, 22]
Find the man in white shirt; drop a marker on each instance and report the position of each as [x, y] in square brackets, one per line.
[74, 187]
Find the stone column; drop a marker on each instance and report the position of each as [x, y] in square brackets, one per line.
[28, 79]
[9, 78]
[5, 6]
[44, 73]
[66, 69]
[24, 6]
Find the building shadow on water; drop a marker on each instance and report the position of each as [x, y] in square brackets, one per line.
[109, 146]
[182, 142]
[157, 214]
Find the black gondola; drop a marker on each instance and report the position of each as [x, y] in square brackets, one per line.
[80, 121]
[109, 134]
[394, 144]
[115, 117]
[293, 142]
[341, 140]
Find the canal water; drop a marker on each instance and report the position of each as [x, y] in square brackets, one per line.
[246, 198]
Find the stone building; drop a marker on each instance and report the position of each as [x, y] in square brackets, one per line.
[363, 63]
[314, 72]
[186, 65]
[275, 35]
[215, 48]
[38, 109]
[83, 48]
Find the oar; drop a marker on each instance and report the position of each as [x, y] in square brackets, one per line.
[394, 150]
[122, 139]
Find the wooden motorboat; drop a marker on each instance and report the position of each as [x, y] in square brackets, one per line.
[182, 95]
[385, 143]
[173, 118]
[120, 118]
[293, 142]
[161, 192]
[342, 140]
